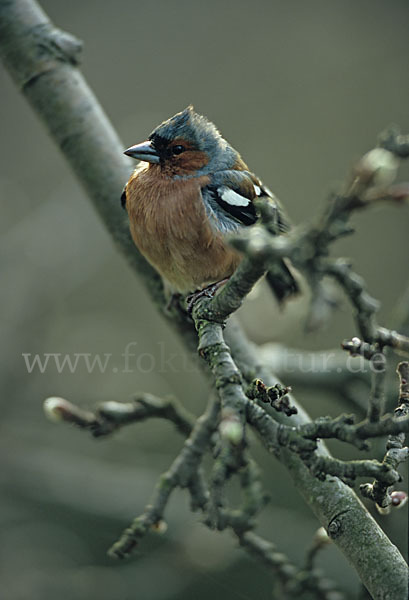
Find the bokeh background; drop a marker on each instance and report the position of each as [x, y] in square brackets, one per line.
[301, 89]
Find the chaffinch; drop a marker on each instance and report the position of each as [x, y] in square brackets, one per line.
[192, 189]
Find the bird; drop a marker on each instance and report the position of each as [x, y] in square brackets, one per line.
[190, 191]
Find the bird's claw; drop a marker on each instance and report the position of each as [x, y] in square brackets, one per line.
[207, 292]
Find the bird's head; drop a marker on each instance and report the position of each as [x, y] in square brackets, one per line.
[186, 145]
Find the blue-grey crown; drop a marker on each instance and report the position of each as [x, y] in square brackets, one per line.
[202, 133]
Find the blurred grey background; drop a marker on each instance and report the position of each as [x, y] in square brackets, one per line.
[302, 89]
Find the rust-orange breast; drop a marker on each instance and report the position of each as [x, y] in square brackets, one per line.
[170, 227]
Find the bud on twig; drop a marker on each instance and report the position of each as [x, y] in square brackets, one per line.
[378, 167]
[160, 527]
[60, 410]
[399, 499]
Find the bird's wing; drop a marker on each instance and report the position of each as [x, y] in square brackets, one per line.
[229, 199]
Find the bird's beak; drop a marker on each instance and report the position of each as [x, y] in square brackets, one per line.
[144, 151]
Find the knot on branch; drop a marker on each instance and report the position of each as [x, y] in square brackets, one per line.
[290, 437]
[67, 47]
[57, 44]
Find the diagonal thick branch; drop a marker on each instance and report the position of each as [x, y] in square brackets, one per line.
[43, 61]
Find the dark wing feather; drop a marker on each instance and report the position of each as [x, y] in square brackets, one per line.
[243, 214]
[233, 192]
[123, 198]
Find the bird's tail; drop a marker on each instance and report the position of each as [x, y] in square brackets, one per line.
[282, 282]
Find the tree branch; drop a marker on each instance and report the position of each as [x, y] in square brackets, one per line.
[380, 491]
[43, 63]
[185, 472]
[110, 416]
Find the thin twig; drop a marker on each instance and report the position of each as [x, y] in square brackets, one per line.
[380, 491]
[43, 62]
[110, 416]
[185, 472]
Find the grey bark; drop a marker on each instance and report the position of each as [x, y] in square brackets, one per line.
[43, 60]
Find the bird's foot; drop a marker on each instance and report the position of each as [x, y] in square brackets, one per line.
[207, 292]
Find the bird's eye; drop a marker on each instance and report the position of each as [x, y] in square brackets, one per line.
[178, 149]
